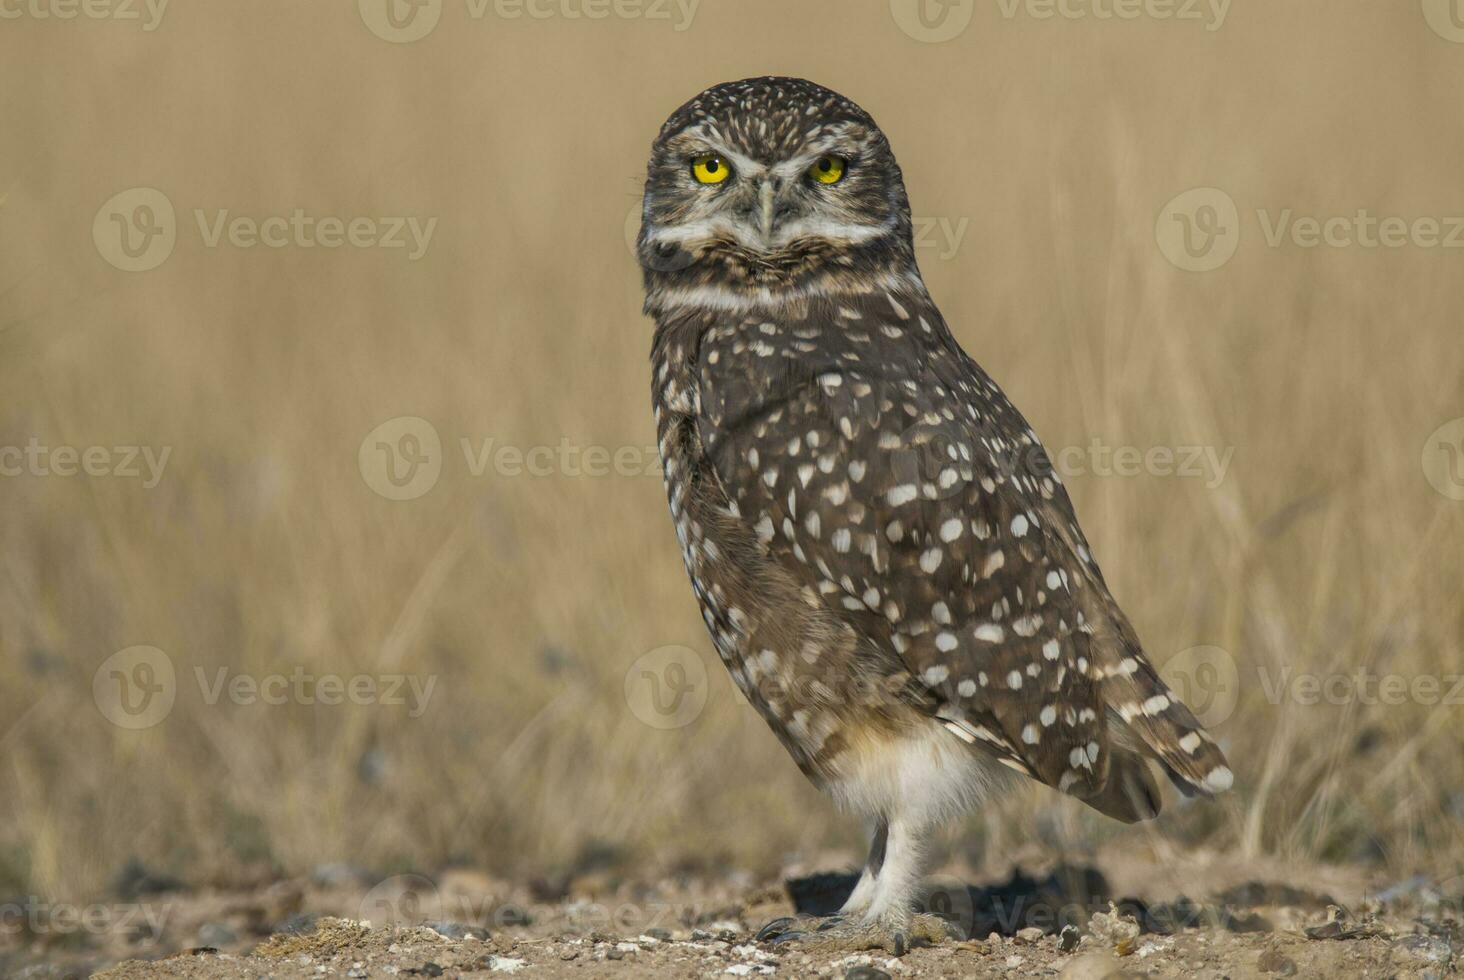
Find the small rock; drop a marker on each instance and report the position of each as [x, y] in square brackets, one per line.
[1275, 961]
[866, 973]
[1031, 934]
[457, 930]
[664, 935]
[1092, 966]
[1338, 926]
[135, 881]
[1113, 928]
[506, 964]
[1427, 948]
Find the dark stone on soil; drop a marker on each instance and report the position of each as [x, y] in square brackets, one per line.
[134, 881]
[1274, 961]
[1257, 893]
[866, 973]
[457, 930]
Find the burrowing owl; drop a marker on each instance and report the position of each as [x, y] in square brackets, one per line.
[887, 562]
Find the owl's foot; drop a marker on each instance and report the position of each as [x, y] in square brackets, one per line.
[794, 927]
[837, 934]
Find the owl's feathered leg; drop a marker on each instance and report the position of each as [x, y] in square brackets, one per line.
[886, 916]
[880, 913]
[892, 895]
[863, 892]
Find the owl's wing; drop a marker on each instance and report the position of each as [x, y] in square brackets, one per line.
[881, 467]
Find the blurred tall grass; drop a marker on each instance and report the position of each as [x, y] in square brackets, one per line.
[263, 549]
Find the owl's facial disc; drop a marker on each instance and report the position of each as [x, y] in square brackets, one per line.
[768, 187]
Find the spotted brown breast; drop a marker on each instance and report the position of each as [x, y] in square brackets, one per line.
[845, 472]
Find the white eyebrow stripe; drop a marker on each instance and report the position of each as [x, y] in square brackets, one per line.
[744, 300]
[798, 165]
[794, 167]
[694, 231]
[835, 231]
[749, 237]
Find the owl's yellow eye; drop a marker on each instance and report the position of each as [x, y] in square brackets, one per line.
[710, 169]
[827, 170]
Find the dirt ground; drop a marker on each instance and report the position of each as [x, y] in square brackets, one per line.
[1193, 919]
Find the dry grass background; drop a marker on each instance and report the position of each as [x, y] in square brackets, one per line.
[263, 549]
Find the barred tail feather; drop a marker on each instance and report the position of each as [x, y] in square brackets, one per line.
[1167, 728]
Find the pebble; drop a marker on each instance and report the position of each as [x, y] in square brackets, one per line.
[1275, 961]
[1092, 966]
[457, 930]
[1427, 948]
[866, 973]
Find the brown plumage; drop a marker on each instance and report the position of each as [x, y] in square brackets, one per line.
[887, 562]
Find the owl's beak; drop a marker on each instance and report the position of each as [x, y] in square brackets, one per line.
[766, 209]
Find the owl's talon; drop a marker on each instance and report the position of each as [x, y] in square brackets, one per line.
[779, 930]
[837, 933]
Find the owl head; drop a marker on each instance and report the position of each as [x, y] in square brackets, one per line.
[768, 184]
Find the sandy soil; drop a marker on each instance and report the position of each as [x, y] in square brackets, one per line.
[1076, 923]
